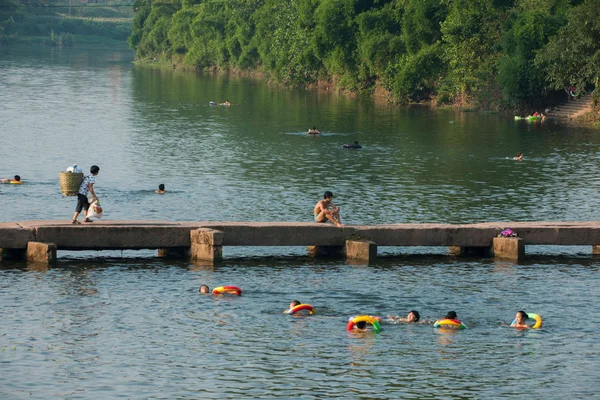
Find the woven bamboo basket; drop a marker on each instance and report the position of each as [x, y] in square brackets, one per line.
[70, 182]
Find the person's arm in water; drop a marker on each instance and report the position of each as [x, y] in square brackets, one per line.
[396, 318]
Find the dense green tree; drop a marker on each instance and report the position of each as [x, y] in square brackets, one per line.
[572, 57]
[532, 23]
[472, 36]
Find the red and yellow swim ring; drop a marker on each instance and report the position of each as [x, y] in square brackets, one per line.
[449, 323]
[227, 290]
[301, 307]
[375, 321]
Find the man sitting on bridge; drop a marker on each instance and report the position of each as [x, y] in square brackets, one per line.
[325, 210]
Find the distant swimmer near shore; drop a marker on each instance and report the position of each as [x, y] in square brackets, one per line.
[313, 131]
[212, 103]
[353, 146]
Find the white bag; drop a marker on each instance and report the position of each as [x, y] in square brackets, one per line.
[95, 210]
[75, 168]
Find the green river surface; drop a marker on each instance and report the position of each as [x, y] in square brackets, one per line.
[130, 325]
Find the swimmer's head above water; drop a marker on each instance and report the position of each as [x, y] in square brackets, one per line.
[521, 317]
[413, 316]
[204, 289]
[361, 325]
[451, 315]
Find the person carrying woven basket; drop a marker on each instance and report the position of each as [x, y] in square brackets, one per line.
[87, 186]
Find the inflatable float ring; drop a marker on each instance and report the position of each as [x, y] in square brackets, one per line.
[449, 323]
[537, 318]
[375, 321]
[227, 290]
[301, 307]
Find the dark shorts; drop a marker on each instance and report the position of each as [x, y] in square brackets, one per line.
[82, 203]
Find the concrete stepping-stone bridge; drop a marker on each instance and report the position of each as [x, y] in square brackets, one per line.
[38, 241]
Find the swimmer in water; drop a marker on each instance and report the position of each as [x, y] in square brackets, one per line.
[353, 146]
[451, 315]
[519, 157]
[313, 131]
[16, 180]
[412, 317]
[520, 321]
[293, 304]
[227, 103]
[161, 189]
[204, 289]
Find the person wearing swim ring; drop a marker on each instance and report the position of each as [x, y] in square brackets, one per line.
[520, 321]
[15, 180]
[313, 131]
[412, 317]
[204, 289]
[293, 304]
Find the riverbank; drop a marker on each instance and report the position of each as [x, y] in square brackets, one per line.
[378, 93]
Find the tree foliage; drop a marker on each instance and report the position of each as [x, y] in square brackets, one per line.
[572, 57]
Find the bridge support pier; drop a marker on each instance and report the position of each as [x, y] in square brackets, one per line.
[325, 251]
[41, 252]
[361, 250]
[509, 248]
[206, 244]
[174, 252]
[596, 250]
[470, 251]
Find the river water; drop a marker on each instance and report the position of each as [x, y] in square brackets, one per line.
[107, 325]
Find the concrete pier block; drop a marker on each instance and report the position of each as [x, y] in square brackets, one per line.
[361, 250]
[41, 252]
[596, 250]
[325, 251]
[206, 244]
[509, 248]
[470, 251]
[174, 252]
